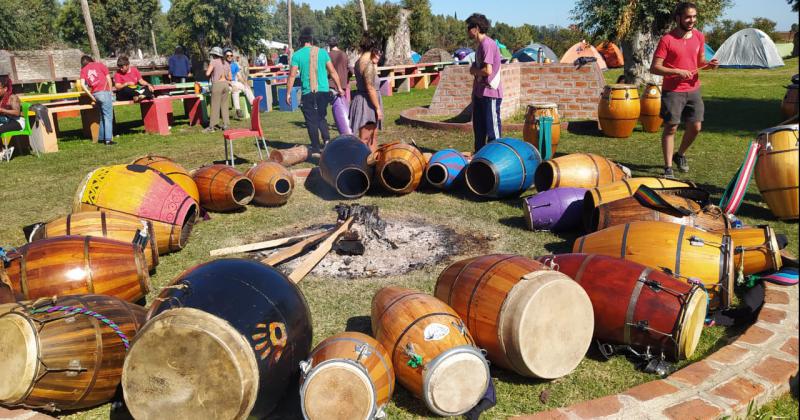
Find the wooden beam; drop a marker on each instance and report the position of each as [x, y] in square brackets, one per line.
[295, 249]
[261, 245]
[318, 254]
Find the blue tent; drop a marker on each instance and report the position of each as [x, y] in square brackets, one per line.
[531, 53]
[709, 52]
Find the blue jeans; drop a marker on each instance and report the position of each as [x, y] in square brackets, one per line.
[106, 103]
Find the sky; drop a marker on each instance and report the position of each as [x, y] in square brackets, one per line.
[549, 12]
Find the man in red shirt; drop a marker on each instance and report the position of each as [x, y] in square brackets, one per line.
[96, 81]
[679, 57]
[129, 83]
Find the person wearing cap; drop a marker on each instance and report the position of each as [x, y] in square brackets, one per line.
[179, 66]
[239, 81]
[340, 63]
[96, 81]
[219, 75]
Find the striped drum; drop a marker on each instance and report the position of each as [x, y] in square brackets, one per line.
[445, 168]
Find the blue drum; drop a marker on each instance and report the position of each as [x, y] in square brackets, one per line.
[502, 168]
[445, 168]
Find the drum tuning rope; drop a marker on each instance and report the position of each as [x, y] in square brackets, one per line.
[75, 310]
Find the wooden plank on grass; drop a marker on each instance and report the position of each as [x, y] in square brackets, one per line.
[318, 254]
[295, 249]
[272, 243]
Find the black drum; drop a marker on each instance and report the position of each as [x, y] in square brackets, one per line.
[223, 341]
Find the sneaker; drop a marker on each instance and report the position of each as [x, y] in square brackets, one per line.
[668, 173]
[209, 130]
[110, 142]
[681, 161]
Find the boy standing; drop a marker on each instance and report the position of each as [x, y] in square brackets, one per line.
[96, 81]
[487, 91]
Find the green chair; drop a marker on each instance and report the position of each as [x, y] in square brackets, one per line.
[26, 131]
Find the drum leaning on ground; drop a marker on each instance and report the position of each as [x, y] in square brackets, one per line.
[530, 131]
[777, 170]
[618, 110]
[223, 341]
[173, 171]
[273, 183]
[55, 358]
[578, 170]
[529, 318]
[348, 376]
[629, 209]
[399, 167]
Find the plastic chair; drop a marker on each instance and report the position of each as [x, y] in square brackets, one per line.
[26, 131]
[254, 131]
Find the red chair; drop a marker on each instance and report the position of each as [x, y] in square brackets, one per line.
[254, 131]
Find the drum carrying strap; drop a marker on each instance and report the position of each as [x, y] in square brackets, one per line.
[648, 197]
[734, 192]
[545, 137]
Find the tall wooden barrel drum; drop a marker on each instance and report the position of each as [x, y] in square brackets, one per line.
[629, 209]
[622, 189]
[777, 170]
[618, 110]
[756, 249]
[651, 108]
[530, 131]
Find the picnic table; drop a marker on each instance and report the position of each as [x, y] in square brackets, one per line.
[407, 76]
[49, 97]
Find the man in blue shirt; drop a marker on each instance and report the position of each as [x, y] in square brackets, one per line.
[239, 82]
[179, 66]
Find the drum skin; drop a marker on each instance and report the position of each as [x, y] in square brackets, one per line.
[789, 104]
[253, 326]
[629, 209]
[625, 294]
[618, 110]
[756, 249]
[347, 376]
[399, 167]
[223, 188]
[502, 167]
[622, 189]
[104, 224]
[173, 170]
[577, 170]
[343, 166]
[74, 265]
[87, 348]
[777, 171]
[650, 116]
[518, 310]
[685, 251]
[446, 168]
[433, 354]
[273, 183]
[556, 210]
[530, 130]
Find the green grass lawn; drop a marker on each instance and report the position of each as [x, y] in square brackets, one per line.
[739, 103]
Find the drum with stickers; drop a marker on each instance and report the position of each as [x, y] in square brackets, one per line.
[433, 354]
[223, 341]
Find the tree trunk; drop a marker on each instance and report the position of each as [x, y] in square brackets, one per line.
[637, 50]
[363, 14]
[153, 39]
[398, 46]
[289, 18]
[87, 18]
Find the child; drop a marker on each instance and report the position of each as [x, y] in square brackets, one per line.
[129, 82]
[96, 81]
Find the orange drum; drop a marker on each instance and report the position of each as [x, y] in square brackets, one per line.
[433, 353]
[618, 110]
[173, 170]
[347, 376]
[777, 170]
[578, 170]
[530, 131]
[290, 156]
[756, 249]
[650, 116]
[789, 106]
[518, 310]
[273, 183]
[399, 167]
[223, 188]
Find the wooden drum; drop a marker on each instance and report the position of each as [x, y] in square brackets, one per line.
[223, 188]
[622, 189]
[64, 353]
[789, 105]
[348, 376]
[777, 170]
[756, 249]
[173, 170]
[637, 305]
[530, 319]
[685, 251]
[273, 183]
[399, 167]
[578, 170]
[433, 354]
[650, 116]
[530, 131]
[73, 265]
[629, 209]
[618, 110]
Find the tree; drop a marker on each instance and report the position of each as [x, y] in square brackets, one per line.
[120, 26]
[795, 5]
[420, 24]
[765, 25]
[637, 25]
[28, 25]
[725, 28]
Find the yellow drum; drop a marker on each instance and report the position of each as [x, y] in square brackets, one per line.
[618, 110]
[777, 170]
[651, 108]
[530, 131]
[173, 171]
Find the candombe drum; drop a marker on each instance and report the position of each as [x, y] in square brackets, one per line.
[433, 354]
[446, 168]
[556, 210]
[143, 192]
[502, 168]
[72, 265]
[619, 212]
[343, 166]
[290, 156]
[637, 305]
[618, 110]
[622, 189]
[529, 318]
[64, 353]
[530, 131]
[789, 105]
[399, 167]
[347, 376]
[223, 341]
[651, 108]
[756, 249]
[223, 188]
[777, 170]
[693, 255]
[104, 224]
[173, 170]
[272, 182]
[579, 170]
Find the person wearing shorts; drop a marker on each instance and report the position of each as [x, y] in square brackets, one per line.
[679, 56]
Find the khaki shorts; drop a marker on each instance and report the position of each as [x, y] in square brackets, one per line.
[682, 106]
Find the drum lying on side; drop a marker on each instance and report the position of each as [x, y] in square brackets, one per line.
[756, 249]
[445, 168]
[630, 209]
[343, 166]
[399, 167]
[347, 376]
[273, 183]
[578, 170]
[558, 209]
[519, 310]
[56, 357]
[502, 168]
[223, 188]
[241, 320]
[173, 170]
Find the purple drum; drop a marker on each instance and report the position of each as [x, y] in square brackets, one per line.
[341, 115]
[558, 209]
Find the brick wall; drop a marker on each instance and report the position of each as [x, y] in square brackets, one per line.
[575, 90]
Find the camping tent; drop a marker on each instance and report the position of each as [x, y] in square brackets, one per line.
[611, 54]
[504, 52]
[531, 53]
[709, 52]
[461, 53]
[583, 49]
[748, 49]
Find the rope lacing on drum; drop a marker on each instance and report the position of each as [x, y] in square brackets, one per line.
[414, 359]
[77, 310]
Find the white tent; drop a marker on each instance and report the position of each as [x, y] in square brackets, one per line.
[275, 45]
[748, 49]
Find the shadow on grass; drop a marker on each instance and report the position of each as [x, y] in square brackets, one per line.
[360, 323]
[727, 115]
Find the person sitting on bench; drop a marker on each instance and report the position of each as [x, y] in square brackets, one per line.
[129, 82]
[10, 118]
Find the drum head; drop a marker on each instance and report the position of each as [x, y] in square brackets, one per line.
[621, 86]
[19, 351]
[773, 130]
[540, 105]
[455, 381]
[338, 390]
[187, 363]
[692, 322]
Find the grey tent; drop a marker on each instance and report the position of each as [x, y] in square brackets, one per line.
[530, 52]
[748, 49]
